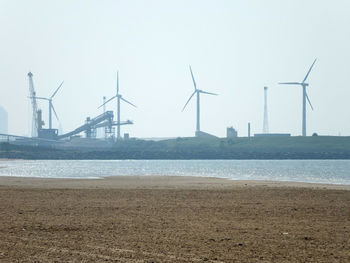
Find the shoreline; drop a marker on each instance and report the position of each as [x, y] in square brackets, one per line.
[179, 159]
[341, 182]
[155, 182]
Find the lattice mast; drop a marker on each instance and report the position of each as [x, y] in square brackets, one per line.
[32, 96]
[266, 120]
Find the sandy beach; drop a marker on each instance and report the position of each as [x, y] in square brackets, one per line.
[172, 219]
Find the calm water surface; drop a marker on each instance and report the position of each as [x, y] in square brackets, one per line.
[315, 171]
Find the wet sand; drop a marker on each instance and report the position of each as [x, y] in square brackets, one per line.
[172, 219]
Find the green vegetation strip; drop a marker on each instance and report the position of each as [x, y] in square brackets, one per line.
[316, 147]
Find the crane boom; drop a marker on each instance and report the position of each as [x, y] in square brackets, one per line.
[34, 105]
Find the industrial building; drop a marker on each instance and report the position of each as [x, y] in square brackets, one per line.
[231, 132]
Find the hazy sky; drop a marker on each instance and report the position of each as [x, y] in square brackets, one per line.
[235, 48]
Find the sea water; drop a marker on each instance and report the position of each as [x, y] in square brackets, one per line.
[313, 171]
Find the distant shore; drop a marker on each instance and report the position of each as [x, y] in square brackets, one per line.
[258, 148]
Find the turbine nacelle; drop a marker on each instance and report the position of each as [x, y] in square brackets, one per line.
[118, 95]
[196, 91]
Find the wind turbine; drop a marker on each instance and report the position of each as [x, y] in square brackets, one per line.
[51, 107]
[119, 98]
[197, 92]
[303, 84]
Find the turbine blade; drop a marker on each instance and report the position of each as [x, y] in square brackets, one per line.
[188, 100]
[194, 82]
[56, 90]
[53, 108]
[289, 83]
[117, 82]
[128, 102]
[309, 70]
[107, 101]
[309, 101]
[39, 98]
[205, 92]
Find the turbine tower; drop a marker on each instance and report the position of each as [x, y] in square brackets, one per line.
[119, 98]
[266, 121]
[51, 107]
[197, 92]
[303, 84]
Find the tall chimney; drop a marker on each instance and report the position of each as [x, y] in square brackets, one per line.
[248, 129]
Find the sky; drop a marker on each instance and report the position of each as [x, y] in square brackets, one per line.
[235, 48]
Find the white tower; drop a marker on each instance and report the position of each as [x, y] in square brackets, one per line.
[266, 120]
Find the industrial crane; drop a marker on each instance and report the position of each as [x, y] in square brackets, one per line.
[35, 124]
